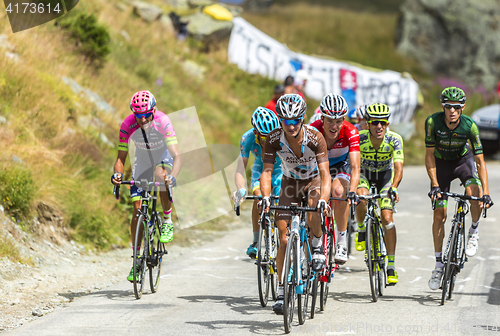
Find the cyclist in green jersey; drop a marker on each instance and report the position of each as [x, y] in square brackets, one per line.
[381, 163]
[448, 156]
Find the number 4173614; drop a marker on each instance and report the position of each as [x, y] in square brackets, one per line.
[33, 8]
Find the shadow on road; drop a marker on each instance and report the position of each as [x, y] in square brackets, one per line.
[494, 294]
[364, 298]
[242, 305]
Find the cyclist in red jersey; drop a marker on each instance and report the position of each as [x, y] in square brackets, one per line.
[342, 140]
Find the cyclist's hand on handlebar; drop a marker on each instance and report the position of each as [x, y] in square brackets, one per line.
[239, 195]
[323, 204]
[434, 193]
[353, 198]
[487, 202]
[393, 194]
[171, 180]
[116, 178]
[265, 202]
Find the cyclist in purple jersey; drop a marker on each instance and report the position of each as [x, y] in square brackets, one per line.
[157, 155]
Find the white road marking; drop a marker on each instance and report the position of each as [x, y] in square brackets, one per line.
[490, 219]
[401, 269]
[212, 259]
[494, 249]
[480, 258]
[406, 248]
[416, 279]
[489, 287]
[431, 256]
[214, 276]
[414, 257]
[235, 250]
[494, 257]
[463, 280]
[340, 332]
[460, 288]
[352, 257]
[425, 269]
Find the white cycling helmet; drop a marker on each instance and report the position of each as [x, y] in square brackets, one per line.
[291, 106]
[315, 116]
[334, 106]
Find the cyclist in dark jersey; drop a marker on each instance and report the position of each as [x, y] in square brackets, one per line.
[448, 156]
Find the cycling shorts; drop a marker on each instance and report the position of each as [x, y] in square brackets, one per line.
[341, 170]
[382, 179]
[464, 169]
[143, 170]
[292, 191]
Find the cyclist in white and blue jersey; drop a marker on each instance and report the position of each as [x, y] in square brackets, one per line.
[252, 141]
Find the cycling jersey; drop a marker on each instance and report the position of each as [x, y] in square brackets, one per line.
[313, 152]
[347, 141]
[381, 159]
[248, 144]
[451, 144]
[159, 134]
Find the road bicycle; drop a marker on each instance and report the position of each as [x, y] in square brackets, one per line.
[375, 253]
[149, 228]
[454, 256]
[297, 275]
[267, 249]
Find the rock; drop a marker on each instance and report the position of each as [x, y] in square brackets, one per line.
[106, 141]
[1, 209]
[91, 96]
[121, 6]
[235, 10]
[194, 70]
[125, 35]
[4, 43]
[458, 39]
[205, 28]
[3, 120]
[16, 159]
[166, 22]
[178, 4]
[12, 56]
[148, 12]
[199, 3]
[37, 312]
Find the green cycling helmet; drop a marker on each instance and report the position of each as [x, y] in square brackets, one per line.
[378, 111]
[453, 94]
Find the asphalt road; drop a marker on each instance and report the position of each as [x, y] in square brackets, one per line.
[213, 290]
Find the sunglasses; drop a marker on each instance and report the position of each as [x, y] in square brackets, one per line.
[455, 106]
[145, 115]
[378, 122]
[293, 122]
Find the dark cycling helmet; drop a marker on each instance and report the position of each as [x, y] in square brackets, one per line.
[377, 111]
[291, 106]
[453, 94]
[264, 120]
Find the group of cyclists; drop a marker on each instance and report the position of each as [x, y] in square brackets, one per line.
[330, 157]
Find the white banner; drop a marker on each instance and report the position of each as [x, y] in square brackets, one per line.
[255, 52]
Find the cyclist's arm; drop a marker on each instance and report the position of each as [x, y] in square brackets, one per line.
[239, 177]
[324, 173]
[398, 174]
[173, 149]
[265, 179]
[430, 165]
[482, 172]
[120, 162]
[355, 159]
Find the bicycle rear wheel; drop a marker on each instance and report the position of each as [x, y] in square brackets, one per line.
[139, 265]
[263, 267]
[370, 253]
[157, 251]
[381, 264]
[314, 294]
[325, 286]
[289, 281]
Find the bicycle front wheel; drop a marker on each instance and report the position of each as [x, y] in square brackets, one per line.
[290, 268]
[449, 267]
[263, 266]
[370, 253]
[156, 256]
[273, 231]
[139, 265]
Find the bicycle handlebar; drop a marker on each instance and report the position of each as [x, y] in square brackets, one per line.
[461, 197]
[254, 197]
[116, 188]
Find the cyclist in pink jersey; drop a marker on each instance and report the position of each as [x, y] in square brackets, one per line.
[342, 141]
[156, 155]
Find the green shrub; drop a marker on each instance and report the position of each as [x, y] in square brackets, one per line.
[17, 189]
[92, 38]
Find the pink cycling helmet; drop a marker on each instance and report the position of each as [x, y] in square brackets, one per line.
[142, 102]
